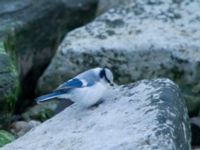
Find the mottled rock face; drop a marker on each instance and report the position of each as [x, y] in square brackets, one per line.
[35, 30]
[105, 5]
[143, 40]
[144, 115]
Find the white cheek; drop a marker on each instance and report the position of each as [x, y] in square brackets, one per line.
[84, 82]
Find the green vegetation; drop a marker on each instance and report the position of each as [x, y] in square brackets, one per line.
[10, 87]
[40, 112]
[5, 137]
[2, 50]
[10, 46]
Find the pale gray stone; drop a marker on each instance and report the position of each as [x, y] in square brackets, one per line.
[145, 39]
[146, 115]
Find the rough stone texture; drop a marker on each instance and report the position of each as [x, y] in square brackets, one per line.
[19, 128]
[105, 5]
[8, 87]
[145, 115]
[146, 39]
[35, 29]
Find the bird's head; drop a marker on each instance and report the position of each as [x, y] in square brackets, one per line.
[106, 75]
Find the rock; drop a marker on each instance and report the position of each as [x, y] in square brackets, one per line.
[45, 110]
[143, 115]
[8, 87]
[105, 5]
[20, 128]
[195, 128]
[40, 112]
[146, 39]
[5, 137]
[35, 30]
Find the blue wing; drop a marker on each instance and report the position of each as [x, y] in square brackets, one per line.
[74, 83]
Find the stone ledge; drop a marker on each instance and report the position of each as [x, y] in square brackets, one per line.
[149, 114]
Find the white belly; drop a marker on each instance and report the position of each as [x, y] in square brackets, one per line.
[88, 96]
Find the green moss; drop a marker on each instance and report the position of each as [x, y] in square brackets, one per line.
[9, 101]
[6, 63]
[10, 87]
[8, 105]
[5, 137]
[10, 46]
[12, 94]
[2, 50]
[40, 112]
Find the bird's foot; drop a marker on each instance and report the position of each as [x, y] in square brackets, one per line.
[96, 104]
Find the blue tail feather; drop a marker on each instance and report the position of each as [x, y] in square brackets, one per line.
[47, 97]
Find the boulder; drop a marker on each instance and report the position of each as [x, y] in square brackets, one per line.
[143, 115]
[19, 128]
[142, 40]
[33, 30]
[40, 112]
[9, 87]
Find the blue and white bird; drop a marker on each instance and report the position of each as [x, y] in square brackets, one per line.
[86, 88]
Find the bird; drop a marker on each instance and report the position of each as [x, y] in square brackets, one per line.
[87, 88]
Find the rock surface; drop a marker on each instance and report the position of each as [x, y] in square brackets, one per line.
[35, 30]
[8, 87]
[145, 115]
[19, 128]
[105, 5]
[146, 39]
[40, 112]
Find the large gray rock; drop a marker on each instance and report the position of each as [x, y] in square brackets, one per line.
[35, 29]
[145, 115]
[9, 87]
[143, 40]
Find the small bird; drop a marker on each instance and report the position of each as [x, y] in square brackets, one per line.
[86, 88]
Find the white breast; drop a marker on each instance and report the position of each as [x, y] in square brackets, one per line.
[89, 96]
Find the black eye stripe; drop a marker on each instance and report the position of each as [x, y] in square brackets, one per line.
[103, 75]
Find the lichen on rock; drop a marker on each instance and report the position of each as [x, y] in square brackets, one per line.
[143, 39]
[146, 115]
[37, 30]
